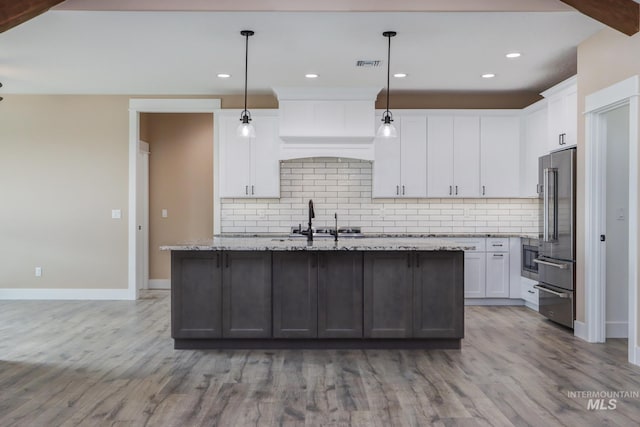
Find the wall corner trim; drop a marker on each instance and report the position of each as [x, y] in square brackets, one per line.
[65, 294]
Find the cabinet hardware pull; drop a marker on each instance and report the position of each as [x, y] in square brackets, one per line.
[226, 260]
[246, 189]
[397, 190]
[417, 260]
[531, 292]
[314, 260]
[252, 190]
[483, 190]
[496, 245]
[498, 255]
[450, 190]
[218, 260]
[403, 190]
[456, 190]
[409, 260]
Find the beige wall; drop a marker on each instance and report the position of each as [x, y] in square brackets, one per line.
[604, 59]
[63, 168]
[180, 180]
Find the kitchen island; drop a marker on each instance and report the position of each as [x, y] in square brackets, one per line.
[271, 292]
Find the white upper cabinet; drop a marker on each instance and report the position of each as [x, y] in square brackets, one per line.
[453, 158]
[534, 145]
[249, 167]
[440, 156]
[413, 156]
[562, 113]
[500, 156]
[400, 166]
[466, 156]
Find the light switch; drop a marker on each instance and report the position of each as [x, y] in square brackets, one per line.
[620, 214]
[165, 214]
[116, 214]
[38, 271]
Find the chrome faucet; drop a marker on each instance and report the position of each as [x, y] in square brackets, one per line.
[312, 215]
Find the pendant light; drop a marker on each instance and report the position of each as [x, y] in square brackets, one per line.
[246, 129]
[387, 129]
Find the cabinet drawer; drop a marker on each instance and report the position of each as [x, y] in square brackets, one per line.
[499, 244]
[528, 292]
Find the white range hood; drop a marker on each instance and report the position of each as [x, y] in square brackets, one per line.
[327, 122]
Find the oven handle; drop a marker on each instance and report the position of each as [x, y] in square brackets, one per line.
[552, 264]
[558, 294]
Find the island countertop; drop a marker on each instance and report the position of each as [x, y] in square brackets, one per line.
[320, 244]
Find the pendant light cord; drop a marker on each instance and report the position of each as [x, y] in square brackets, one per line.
[388, 70]
[246, 68]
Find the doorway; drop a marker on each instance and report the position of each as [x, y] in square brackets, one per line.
[611, 120]
[136, 107]
[616, 131]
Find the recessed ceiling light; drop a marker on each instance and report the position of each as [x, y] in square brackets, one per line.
[311, 76]
[513, 55]
[224, 75]
[488, 76]
[400, 75]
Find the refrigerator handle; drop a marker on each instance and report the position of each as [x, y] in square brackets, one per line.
[545, 205]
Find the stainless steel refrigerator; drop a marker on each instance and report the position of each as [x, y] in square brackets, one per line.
[557, 251]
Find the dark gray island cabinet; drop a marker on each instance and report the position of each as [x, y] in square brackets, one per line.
[317, 299]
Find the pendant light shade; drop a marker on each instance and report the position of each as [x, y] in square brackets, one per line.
[387, 129]
[246, 129]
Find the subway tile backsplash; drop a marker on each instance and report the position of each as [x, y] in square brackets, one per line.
[344, 186]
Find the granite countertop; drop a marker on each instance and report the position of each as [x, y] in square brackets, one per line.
[274, 243]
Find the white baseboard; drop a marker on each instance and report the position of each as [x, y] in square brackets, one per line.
[531, 306]
[159, 283]
[617, 330]
[580, 330]
[637, 354]
[65, 294]
[493, 301]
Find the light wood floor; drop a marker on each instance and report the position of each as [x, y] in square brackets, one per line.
[113, 364]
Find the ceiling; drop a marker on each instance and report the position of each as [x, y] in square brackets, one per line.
[170, 52]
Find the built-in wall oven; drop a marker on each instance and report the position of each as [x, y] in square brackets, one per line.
[529, 268]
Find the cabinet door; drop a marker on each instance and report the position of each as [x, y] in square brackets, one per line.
[386, 166]
[235, 163]
[295, 295]
[388, 294]
[474, 274]
[340, 295]
[265, 166]
[196, 294]
[570, 117]
[535, 145]
[438, 300]
[246, 294]
[466, 156]
[440, 156]
[555, 114]
[497, 285]
[413, 164]
[500, 156]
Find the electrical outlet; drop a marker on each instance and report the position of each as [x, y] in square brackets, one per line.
[165, 213]
[262, 214]
[116, 214]
[38, 271]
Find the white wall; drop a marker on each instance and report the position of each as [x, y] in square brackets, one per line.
[344, 186]
[617, 232]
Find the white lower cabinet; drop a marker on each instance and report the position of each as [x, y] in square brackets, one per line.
[528, 293]
[474, 274]
[497, 278]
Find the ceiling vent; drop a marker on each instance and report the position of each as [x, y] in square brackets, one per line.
[368, 63]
